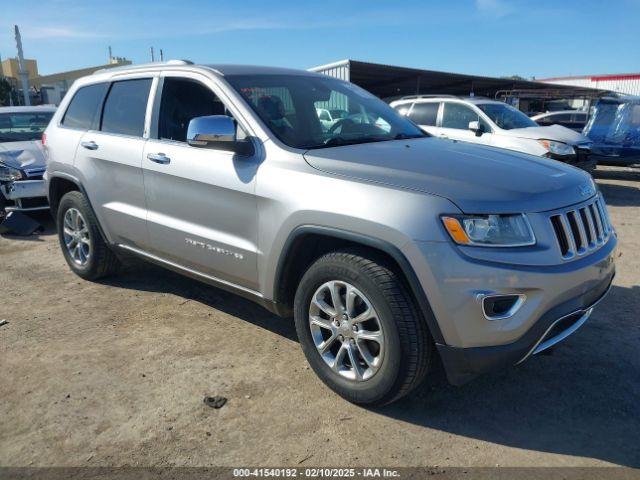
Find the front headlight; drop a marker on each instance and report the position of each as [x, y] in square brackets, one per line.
[490, 230]
[557, 148]
[9, 174]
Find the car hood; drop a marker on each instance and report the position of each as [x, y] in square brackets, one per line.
[477, 179]
[552, 132]
[22, 155]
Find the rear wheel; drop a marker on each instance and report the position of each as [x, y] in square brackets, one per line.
[359, 328]
[3, 205]
[82, 245]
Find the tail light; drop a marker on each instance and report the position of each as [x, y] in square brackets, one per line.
[44, 138]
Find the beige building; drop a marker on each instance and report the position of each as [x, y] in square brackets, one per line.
[10, 68]
[52, 87]
[65, 79]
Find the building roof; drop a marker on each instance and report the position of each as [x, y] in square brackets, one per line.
[595, 78]
[390, 81]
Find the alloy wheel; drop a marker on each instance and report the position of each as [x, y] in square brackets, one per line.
[346, 330]
[76, 237]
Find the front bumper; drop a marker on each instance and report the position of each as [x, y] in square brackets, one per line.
[471, 343]
[25, 195]
[464, 364]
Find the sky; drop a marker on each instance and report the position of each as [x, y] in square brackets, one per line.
[484, 37]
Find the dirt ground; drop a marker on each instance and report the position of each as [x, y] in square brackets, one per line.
[114, 373]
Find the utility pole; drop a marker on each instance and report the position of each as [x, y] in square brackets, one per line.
[153, 58]
[24, 76]
[110, 54]
[161, 55]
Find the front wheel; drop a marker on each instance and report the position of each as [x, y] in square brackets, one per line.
[359, 328]
[82, 245]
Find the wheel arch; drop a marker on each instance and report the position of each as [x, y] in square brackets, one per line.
[61, 184]
[307, 243]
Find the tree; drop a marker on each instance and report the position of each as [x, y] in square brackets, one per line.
[6, 92]
[514, 77]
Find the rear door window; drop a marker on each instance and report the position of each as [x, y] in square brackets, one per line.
[425, 113]
[83, 111]
[126, 106]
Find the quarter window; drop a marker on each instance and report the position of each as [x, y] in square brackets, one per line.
[425, 113]
[85, 106]
[126, 107]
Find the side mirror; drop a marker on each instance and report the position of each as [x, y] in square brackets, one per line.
[476, 127]
[216, 131]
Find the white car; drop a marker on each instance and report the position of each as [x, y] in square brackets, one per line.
[488, 122]
[573, 119]
[328, 118]
[22, 161]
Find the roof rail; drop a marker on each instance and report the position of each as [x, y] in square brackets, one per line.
[413, 97]
[143, 65]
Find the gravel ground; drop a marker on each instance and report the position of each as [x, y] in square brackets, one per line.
[114, 373]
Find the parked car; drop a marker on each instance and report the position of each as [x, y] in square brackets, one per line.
[488, 122]
[384, 245]
[22, 162]
[614, 129]
[328, 118]
[573, 119]
[332, 120]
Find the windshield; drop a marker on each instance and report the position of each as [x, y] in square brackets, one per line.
[505, 116]
[296, 107]
[23, 126]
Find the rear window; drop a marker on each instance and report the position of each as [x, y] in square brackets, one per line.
[126, 107]
[425, 113]
[84, 107]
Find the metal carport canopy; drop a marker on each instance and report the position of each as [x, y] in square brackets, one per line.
[389, 81]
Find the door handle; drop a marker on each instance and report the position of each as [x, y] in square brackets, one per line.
[90, 145]
[442, 135]
[160, 158]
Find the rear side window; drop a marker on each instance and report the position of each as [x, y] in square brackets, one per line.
[125, 107]
[425, 113]
[85, 106]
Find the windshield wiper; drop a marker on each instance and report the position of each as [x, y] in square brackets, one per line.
[405, 136]
[341, 141]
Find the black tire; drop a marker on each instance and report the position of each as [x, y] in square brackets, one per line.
[102, 261]
[408, 344]
[3, 205]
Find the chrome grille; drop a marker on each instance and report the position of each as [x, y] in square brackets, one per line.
[582, 229]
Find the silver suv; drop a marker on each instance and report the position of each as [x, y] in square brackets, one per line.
[385, 244]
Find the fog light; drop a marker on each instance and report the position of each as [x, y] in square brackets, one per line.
[499, 307]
